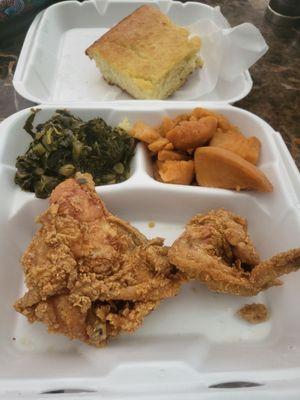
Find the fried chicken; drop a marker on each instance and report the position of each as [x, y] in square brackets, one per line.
[216, 250]
[254, 313]
[90, 274]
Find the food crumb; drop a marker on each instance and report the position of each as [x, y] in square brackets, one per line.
[254, 313]
[151, 224]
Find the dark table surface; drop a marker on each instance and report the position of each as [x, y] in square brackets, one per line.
[276, 91]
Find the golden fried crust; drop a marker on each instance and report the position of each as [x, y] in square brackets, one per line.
[216, 250]
[254, 313]
[86, 268]
[95, 326]
[78, 199]
[145, 45]
[280, 264]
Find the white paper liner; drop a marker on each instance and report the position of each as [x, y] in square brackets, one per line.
[226, 53]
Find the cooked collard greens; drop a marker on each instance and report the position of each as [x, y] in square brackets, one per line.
[64, 145]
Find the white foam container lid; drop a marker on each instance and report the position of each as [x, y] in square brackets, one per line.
[192, 341]
[53, 67]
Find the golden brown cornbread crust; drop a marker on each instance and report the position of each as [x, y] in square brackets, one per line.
[145, 47]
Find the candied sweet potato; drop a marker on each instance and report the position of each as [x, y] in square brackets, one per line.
[144, 132]
[166, 125]
[199, 113]
[169, 123]
[217, 167]
[158, 144]
[180, 172]
[192, 134]
[247, 148]
[164, 155]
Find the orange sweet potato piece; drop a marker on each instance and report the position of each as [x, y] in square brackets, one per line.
[168, 123]
[158, 145]
[144, 132]
[180, 172]
[192, 134]
[164, 155]
[199, 113]
[247, 148]
[180, 118]
[217, 167]
[169, 146]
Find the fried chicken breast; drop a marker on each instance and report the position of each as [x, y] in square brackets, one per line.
[91, 275]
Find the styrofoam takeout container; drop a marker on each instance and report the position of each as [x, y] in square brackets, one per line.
[53, 67]
[191, 342]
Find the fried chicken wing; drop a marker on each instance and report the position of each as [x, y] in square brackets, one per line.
[86, 268]
[216, 250]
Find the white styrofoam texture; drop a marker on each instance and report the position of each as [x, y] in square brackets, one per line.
[189, 342]
[53, 66]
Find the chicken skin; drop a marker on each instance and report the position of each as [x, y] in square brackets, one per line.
[216, 250]
[90, 274]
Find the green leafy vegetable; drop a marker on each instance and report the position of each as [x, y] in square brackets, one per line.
[64, 145]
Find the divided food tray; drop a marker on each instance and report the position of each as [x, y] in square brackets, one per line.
[53, 67]
[190, 342]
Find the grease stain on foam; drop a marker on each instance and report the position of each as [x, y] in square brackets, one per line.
[26, 342]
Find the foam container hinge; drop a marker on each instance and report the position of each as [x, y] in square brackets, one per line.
[53, 67]
[190, 342]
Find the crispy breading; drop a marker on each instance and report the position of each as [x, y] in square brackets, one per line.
[94, 325]
[254, 313]
[85, 260]
[215, 249]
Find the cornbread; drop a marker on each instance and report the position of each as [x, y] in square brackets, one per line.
[146, 54]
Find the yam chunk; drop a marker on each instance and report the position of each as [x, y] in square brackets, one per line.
[168, 123]
[180, 172]
[144, 132]
[164, 155]
[169, 146]
[158, 145]
[199, 113]
[181, 118]
[217, 167]
[223, 122]
[247, 148]
[192, 134]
